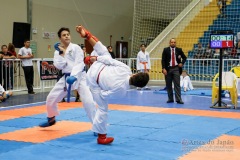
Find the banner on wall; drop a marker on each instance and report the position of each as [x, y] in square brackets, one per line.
[47, 70]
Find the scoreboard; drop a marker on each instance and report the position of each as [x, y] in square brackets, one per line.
[221, 41]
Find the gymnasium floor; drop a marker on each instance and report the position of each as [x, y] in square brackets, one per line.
[144, 126]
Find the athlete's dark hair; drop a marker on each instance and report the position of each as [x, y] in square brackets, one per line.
[62, 29]
[139, 79]
[143, 45]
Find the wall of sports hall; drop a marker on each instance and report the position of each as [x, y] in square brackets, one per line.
[103, 18]
[152, 22]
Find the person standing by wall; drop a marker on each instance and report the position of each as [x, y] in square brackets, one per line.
[11, 49]
[143, 62]
[173, 60]
[224, 5]
[219, 4]
[25, 54]
[7, 68]
[84, 50]
[110, 50]
[1, 69]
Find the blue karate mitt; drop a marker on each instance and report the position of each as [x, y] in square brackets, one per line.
[70, 81]
[56, 46]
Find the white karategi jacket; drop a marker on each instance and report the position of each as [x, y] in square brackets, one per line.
[2, 90]
[185, 82]
[113, 81]
[143, 57]
[72, 63]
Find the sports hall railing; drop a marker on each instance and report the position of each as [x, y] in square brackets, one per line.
[200, 71]
[12, 73]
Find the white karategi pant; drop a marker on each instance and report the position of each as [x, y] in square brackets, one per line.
[113, 81]
[72, 63]
[185, 82]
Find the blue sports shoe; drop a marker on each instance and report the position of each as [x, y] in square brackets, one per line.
[51, 121]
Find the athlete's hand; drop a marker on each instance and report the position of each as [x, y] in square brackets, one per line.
[71, 79]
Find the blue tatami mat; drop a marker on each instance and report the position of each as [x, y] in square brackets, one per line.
[160, 133]
[199, 92]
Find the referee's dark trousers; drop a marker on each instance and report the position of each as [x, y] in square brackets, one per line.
[173, 75]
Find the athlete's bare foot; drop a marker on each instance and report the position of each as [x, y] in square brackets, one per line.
[86, 34]
[81, 31]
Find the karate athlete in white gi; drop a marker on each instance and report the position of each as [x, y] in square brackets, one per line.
[70, 60]
[143, 62]
[185, 81]
[4, 94]
[106, 78]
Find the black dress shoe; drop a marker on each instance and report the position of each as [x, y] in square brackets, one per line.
[170, 101]
[77, 100]
[180, 102]
[63, 100]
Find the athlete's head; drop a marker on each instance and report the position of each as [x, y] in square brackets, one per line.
[64, 35]
[139, 79]
[143, 47]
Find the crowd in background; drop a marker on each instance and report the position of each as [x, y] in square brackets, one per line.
[6, 69]
[222, 4]
[205, 52]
